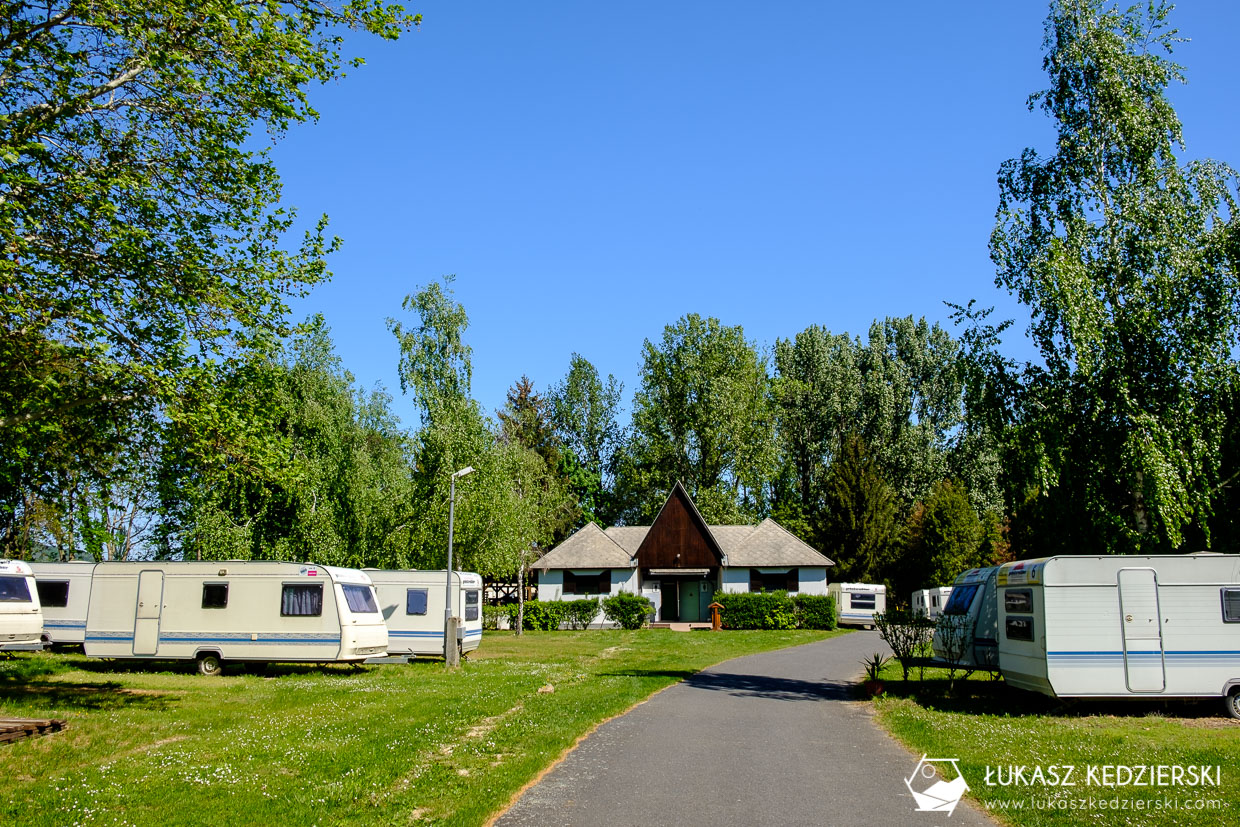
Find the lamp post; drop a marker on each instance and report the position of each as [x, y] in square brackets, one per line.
[450, 655]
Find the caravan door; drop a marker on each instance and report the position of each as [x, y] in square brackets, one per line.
[146, 619]
[1144, 664]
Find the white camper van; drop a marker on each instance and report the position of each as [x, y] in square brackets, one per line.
[64, 592]
[412, 603]
[969, 624]
[21, 618]
[930, 602]
[253, 611]
[1123, 626]
[857, 603]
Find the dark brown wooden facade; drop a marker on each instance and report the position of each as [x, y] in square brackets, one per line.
[679, 538]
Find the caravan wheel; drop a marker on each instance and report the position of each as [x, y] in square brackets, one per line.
[1232, 702]
[209, 664]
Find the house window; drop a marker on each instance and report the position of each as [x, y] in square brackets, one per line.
[215, 595]
[14, 590]
[587, 582]
[361, 599]
[302, 600]
[774, 581]
[1018, 600]
[1020, 628]
[1231, 605]
[53, 594]
[415, 602]
[471, 605]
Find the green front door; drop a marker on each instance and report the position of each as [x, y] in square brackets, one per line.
[695, 598]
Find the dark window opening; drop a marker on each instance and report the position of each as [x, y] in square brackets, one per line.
[300, 600]
[1020, 628]
[53, 594]
[1231, 605]
[587, 583]
[471, 605]
[961, 599]
[780, 581]
[859, 600]
[215, 595]
[415, 602]
[1018, 600]
[14, 590]
[361, 599]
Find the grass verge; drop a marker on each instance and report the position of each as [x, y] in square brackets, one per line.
[406, 744]
[992, 728]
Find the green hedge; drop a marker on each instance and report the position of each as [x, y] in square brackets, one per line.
[776, 610]
[627, 609]
[540, 615]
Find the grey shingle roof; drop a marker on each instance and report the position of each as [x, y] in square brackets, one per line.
[588, 548]
[766, 545]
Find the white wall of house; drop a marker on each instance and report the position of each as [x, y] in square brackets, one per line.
[734, 581]
[813, 580]
[551, 587]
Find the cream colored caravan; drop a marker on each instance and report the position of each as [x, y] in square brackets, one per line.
[21, 618]
[64, 592]
[412, 603]
[1122, 626]
[857, 603]
[248, 611]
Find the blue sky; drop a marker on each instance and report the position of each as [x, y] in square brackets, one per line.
[592, 172]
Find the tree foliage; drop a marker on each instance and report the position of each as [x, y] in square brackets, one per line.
[1128, 260]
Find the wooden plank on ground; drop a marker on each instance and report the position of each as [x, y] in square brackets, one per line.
[12, 729]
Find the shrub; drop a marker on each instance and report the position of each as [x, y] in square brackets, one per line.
[542, 615]
[491, 616]
[906, 633]
[579, 613]
[627, 609]
[814, 611]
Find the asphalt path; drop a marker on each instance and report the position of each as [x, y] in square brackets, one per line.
[774, 739]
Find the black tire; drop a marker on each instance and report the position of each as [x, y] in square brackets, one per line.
[209, 664]
[1232, 702]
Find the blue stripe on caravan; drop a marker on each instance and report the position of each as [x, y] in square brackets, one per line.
[67, 625]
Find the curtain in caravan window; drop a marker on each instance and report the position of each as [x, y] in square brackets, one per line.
[415, 602]
[361, 599]
[302, 601]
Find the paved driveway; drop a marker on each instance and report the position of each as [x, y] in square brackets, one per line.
[764, 739]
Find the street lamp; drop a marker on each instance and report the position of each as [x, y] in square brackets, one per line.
[449, 627]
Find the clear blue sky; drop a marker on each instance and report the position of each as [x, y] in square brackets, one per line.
[592, 172]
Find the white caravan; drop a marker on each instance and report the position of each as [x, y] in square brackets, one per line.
[967, 632]
[412, 603]
[250, 611]
[64, 592]
[21, 618]
[857, 603]
[1123, 626]
[930, 602]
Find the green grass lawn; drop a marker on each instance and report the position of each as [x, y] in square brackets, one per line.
[987, 724]
[405, 744]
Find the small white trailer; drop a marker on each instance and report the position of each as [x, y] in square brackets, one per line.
[21, 617]
[1123, 626]
[857, 603]
[64, 592]
[930, 602]
[966, 633]
[248, 611]
[412, 603]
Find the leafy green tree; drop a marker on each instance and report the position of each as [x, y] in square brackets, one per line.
[703, 416]
[584, 412]
[861, 526]
[944, 538]
[1127, 260]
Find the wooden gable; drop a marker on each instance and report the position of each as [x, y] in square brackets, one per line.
[679, 537]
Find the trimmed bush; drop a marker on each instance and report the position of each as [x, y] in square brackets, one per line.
[776, 610]
[815, 611]
[541, 615]
[627, 609]
[491, 616]
[579, 613]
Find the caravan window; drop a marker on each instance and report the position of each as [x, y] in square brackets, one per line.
[1231, 605]
[471, 605]
[415, 602]
[1018, 600]
[215, 595]
[53, 594]
[301, 600]
[861, 601]
[361, 599]
[1020, 628]
[961, 599]
[14, 590]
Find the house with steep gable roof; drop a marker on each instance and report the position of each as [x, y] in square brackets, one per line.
[678, 562]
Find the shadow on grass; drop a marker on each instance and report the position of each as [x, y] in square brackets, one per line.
[85, 696]
[994, 697]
